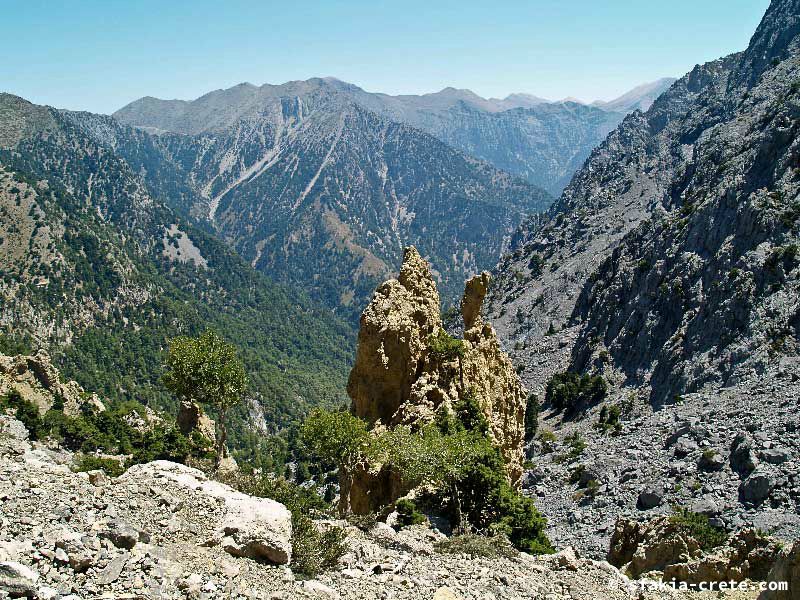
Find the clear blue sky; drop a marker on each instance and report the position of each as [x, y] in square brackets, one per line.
[99, 55]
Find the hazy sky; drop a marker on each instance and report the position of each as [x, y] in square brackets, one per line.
[98, 55]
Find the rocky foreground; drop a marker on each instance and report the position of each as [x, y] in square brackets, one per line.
[164, 530]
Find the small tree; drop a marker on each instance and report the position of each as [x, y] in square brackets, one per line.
[206, 369]
[531, 417]
[337, 436]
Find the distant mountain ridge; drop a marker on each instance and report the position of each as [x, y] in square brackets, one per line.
[315, 188]
[542, 141]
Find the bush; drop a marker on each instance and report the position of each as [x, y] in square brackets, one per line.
[698, 527]
[314, 550]
[407, 513]
[548, 441]
[110, 466]
[608, 420]
[495, 546]
[454, 455]
[106, 431]
[469, 413]
[445, 347]
[576, 445]
[24, 411]
[489, 503]
[570, 392]
[536, 264]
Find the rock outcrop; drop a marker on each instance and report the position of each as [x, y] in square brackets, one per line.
[252, 527]
[669, 548]
[38, 381]
[638, 548]
[191, 418]
[786, 570]
[398, 379]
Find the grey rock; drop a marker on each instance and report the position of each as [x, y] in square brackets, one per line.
[705, 506]
[743, 454]
[650, 497]
[120, 534]
[684, 446]
[757, 487]
[776, 456]
[112, 570]
[711, 460]
[17, 580]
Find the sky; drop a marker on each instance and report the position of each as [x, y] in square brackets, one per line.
[99, 55]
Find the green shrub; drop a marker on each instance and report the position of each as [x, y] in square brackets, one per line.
[548, 441]
[315, 551]
[24, 411]
[454, 456]
[608, 420]
[470, 414]
[111, 466]
[698, 527]
[445, 347]
[531, 417]
[576, 445]
[106, 431]
[569, 391]
[536, 264]
[470, 544]
[407, 513]
[489, 503]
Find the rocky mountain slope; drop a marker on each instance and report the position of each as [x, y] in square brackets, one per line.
[310, 186]
[669, 267]
[639, 98]
[95, 267]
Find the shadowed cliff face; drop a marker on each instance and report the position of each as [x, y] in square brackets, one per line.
[398, 380]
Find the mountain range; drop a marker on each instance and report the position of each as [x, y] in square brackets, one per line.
[115, 230]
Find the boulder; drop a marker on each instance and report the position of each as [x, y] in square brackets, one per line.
[17, 580]
[650, 497]
[776, 456]
[757, 487]
[252, 527]
[706, 506]
[79, 556]
[747, 555]
[684, 446]
[39, 382]
[638, 548]
[120, 534]
[711, 460]
[445, 593]
[743, 454]
[191, 418]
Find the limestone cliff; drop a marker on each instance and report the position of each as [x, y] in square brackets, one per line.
[38, 381]
[399, 379]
